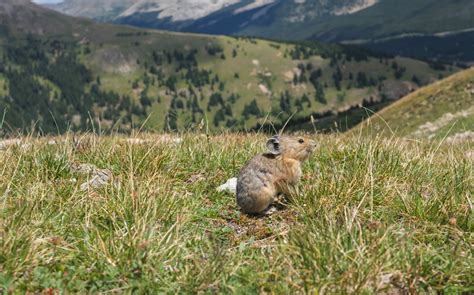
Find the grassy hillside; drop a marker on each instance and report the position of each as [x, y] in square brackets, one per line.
[178, 81]
[442, 109]
[373, 216]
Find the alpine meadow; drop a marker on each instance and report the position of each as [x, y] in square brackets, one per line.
[224, 147]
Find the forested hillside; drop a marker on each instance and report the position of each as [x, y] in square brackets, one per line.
[59, 72]
[46, 86]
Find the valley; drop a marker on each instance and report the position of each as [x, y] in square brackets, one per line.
[121, 78]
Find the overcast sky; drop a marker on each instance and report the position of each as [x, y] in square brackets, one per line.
[47, 1]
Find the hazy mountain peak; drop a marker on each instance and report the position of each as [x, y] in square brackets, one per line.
[193, 10]
[355, 7]
[9, 3]
[98, 9]
[254, 5]
[184, 10]
[301, 11]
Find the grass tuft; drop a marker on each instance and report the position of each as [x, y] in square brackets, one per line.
[374, 215]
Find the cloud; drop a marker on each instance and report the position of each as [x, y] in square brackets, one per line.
[47, 1]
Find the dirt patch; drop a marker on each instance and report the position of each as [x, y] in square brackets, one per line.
[265, 90]
[257, 230]
[467, 136]
[430, 128]
[113, 60]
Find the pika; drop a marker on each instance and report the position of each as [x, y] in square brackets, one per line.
[276, 171]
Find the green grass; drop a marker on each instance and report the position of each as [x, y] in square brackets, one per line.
[451, 96]
[3, 86]
[459, 125]
[54, 88]
[370, 210]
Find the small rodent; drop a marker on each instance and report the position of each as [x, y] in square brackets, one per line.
[269, 174]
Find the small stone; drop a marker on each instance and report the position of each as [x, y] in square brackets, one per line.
[374, 225]
[56, 241]
[98, 177]
[98, 180]
[4, 144]
[453, 221]
[143, 245]
[137, 141]
[83, 168]
[195, 178]
[270, 210]
[470, 155]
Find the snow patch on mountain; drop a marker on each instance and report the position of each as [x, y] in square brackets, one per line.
[179, 10]
[358, 6]
[103, 9]
[304, 10]
[254, 5]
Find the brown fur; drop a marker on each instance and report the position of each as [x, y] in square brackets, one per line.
[269, 174]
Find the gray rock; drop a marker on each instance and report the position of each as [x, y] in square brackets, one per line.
[98, 177]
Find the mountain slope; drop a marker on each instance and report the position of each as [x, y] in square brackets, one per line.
[442, 109]
[206, 16]
[122, 77]
[384, 24]
[176, 11]
[395, 17]
[393, 26]
[104, 10]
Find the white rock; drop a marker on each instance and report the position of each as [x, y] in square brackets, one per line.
[4, 144]
[230, 186]
[98, 180]
[177, 140]
[137, 141]
[98, 177]
[163, 139]
[470, 155]
[84, 168]
[265, 90]
[467, 136]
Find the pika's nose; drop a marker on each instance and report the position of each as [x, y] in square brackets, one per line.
[313, 143]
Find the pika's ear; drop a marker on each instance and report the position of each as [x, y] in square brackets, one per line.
[273, 145]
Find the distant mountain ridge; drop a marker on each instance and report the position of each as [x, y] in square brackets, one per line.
[205, 15]
[369, 23]
[184, 10]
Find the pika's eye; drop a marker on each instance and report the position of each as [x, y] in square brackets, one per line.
[301, 140]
